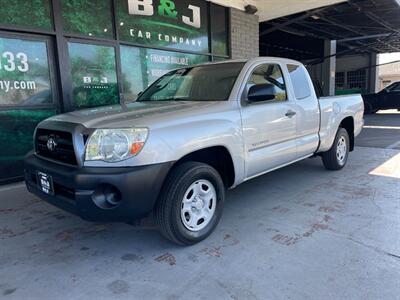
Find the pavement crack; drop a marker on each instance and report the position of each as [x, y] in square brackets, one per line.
[374, 203]
[374, 248]
[394, 255]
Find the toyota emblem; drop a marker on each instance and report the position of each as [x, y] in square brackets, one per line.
[51, 144]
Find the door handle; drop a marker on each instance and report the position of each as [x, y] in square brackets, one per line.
[290, 114]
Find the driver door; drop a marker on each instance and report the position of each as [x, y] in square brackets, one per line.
[269, 127]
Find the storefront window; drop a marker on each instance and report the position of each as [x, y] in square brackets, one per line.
[174, 24]
[24, 73]
[94, 77]
[141, 67]
[35, 13]
[188, 32]
[91, 18]
[219, 30]
[16, 132]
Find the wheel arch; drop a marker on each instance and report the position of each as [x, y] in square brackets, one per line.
[348, 124]
[219, 157]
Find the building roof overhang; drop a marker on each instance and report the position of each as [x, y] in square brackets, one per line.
[359, 26]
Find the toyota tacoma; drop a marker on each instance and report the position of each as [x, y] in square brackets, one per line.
[191, 135]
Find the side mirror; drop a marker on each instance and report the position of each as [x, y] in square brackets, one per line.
[261, 92]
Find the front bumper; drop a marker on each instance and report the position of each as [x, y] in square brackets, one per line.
[74, 188]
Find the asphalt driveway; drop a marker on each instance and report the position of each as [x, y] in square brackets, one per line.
[297, 233]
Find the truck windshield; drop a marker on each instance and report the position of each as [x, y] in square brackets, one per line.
[202, 83]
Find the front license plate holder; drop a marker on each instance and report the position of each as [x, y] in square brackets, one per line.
[45, 183]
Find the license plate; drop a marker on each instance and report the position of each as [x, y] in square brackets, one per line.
[45, 183]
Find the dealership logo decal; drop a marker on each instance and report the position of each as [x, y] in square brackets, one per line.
[167, 9]
[51, 144]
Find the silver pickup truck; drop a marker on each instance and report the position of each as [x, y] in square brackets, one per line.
[194, 133]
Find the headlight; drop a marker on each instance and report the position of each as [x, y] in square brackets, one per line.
[113, 145]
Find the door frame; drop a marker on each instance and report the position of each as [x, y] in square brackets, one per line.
[290, 100]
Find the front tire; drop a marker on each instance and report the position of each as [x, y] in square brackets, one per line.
[336, 157]
[190, 204]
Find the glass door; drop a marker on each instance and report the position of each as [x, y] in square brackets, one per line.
[27, 96]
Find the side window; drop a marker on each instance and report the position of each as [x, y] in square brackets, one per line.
[269, 74]
[395, 87]
[301, 85]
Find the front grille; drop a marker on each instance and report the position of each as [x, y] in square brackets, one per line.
[63, 150]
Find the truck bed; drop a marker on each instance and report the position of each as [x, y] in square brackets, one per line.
[333, 110]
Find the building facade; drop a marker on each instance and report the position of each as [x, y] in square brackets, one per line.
[388, 74]
[58, 56]
[356, 74]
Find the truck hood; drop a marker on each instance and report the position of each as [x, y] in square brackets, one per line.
[136, 113]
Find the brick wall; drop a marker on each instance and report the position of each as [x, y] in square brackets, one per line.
[244, 34]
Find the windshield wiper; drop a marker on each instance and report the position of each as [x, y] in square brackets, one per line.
[167, 99]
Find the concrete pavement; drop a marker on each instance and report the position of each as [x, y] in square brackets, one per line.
[297, 233]
[381, 130]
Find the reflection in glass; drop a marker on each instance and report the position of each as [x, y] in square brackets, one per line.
[91, 18]
[219, 30]
[24, 13]
[269, 74]
[199, 83]
[94, 77]
[16, 132]
[141, 67]
[24, 73]
[299, 78]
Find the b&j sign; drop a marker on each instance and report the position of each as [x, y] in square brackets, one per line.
[175, 24]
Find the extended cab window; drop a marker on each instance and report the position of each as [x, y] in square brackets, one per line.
[203, 83]
[300, 82]
[269, 74]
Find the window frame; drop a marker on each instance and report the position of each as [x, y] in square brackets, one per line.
[48, 40]
[117, 68]
[307, 79]
[353, 78]
[243, 91]
[342, 77]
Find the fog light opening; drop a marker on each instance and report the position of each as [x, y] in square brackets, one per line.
[107, 196]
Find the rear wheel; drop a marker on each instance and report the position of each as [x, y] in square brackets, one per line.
[191, 203]
[336, 157]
